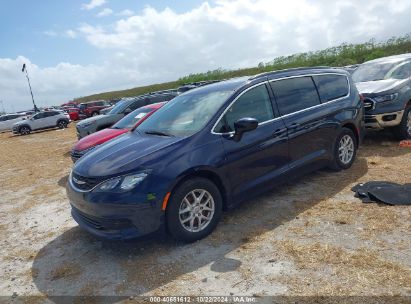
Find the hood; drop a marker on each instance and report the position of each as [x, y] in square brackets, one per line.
[371, 87]
[91, 119]
[97, 138]
[127, 153]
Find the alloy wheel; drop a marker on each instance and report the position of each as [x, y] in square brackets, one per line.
[196, 210]
[409, 123]
[346, 149]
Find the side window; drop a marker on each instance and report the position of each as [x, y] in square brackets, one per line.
[255, 103]
[14, 116]
[137, 104]
[4, 118]
[331, 86]
[38, 116]
[295, 94]
[403, 72]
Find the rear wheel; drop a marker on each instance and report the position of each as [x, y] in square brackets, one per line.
[194, 210]
[25, 130]
[403, 130]
[345, 150]
[62, 124]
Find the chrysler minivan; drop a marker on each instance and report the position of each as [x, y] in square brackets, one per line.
[213, 147]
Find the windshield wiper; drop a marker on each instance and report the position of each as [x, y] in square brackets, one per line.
[154, 132]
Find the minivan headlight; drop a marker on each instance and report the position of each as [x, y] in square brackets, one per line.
[122, 183]
[384, 98]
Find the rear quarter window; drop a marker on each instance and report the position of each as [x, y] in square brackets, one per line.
[295, 94]
[331, 87]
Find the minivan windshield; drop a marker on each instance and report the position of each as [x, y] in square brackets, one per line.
[120, 106]
[185, 114]
[375, 71]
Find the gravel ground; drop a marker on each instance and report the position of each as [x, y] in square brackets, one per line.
[307, 237]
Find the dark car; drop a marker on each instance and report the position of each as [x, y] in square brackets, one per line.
[213, 147]
[122, 108]
[385, 84]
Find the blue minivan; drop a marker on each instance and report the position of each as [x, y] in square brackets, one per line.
[213, 147]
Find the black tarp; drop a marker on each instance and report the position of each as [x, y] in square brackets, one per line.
[383, 192]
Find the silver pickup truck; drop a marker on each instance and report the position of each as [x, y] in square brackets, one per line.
[385, 85]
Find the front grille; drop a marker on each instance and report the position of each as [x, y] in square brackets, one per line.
[101, 223]
[75, 155]
[85, 183]
[368, 104]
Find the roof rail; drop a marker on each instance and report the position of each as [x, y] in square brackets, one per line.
[291, 69]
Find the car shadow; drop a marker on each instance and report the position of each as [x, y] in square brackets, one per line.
[383, 138]
[78, 264]
[63, 181]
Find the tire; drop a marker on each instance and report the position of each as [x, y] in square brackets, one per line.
[179, 225]
[344, 150]
[24, 130]
[403, 130]
[61, 124]
[94, 114]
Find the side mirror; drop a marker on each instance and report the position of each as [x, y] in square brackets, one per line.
[127, 111]
[244, 125]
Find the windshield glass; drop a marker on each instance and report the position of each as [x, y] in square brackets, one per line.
[131, 119]
[185, 114]
[120, 106]
[374, 71]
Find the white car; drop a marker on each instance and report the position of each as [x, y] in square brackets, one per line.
[42, 120]
[7, 121]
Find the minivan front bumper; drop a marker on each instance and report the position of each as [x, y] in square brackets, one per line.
[112, 219]
[384, 120]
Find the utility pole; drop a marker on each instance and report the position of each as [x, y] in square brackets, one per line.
[24, 69]
[2, 105]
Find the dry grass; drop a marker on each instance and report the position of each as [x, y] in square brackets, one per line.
[354, 270]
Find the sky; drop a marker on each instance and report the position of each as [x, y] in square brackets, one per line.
[81, 47]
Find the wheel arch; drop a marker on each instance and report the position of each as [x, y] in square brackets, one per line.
[206, 173]
[351, 126]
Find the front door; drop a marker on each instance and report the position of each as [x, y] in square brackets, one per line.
[261, 154]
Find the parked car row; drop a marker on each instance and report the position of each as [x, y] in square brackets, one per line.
[123, 107]
[210, 148]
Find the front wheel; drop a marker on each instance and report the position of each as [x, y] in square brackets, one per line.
[345, 150]
[194, 210]
[403, 130]
[25, 130]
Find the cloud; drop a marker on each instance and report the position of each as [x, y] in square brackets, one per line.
[105, 12]
[162, 45]
[70, 34]
[50, 33]
[126, 13]
[93, 4]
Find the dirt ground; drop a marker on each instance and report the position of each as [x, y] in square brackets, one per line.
[307, 237]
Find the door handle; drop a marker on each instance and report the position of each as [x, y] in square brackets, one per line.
[278, 132]
[294, 125]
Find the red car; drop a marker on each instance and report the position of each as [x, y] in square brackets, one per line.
[73, 112]
[93, 108]
[124, 125]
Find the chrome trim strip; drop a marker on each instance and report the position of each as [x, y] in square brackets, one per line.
[289, 114]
